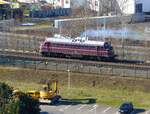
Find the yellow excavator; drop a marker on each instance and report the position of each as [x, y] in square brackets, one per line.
[49, 94]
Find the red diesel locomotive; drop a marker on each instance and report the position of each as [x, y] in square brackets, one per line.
[77, 48]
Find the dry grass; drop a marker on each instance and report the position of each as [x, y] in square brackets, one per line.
[106, 90]
[41, 25]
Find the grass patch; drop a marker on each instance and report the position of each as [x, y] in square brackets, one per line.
[107, 90]
[37, 26]
[109, 96]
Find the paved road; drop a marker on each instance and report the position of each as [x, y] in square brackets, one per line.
[84, 109]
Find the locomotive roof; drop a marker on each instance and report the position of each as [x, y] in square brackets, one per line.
[74, 41]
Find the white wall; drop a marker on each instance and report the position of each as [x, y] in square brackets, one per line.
[28, 1]
[127, 6]
[78, 3]
[60, 3]
[67, 4]
[146, 5]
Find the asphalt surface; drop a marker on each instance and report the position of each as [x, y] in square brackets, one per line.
[77, 108]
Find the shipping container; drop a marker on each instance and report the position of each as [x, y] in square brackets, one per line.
[50, 13]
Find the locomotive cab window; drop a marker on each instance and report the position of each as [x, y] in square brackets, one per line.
[111, 47]
[47, 44]
[102, 47]
[107, 45]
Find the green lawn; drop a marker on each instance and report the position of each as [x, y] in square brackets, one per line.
[109, 96]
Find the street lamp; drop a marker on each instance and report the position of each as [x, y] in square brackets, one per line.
[68, 78]
[69, 74]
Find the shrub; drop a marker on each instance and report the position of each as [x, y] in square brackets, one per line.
[5, 91]
[28, 105]
[5, 97]
[23, 104]
[13, 107]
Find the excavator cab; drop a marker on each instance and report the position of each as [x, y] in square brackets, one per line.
[50, 92]
[16, 93]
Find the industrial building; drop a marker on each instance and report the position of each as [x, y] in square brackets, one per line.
[54, 3]
[10, 10]
[61, 3]
[121, 6]
[142, 6]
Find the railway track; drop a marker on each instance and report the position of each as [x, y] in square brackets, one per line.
[36, 57]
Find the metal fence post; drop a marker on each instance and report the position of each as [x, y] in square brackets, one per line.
[29, 44]
[100, 71]
[89, 70]
[34, 38]
[67, 66]
[14, 62]
[46, 63]
[147, 74]
[123, 73]
[112, 71]
[35, 65]
[134, 72]
[56, 67]
[24, 64]
[17, 45]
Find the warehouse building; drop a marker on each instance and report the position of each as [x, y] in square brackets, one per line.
[121, 6]
[142, 6]
[54, 3]
[10, 10]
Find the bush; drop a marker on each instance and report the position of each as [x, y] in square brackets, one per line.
[5, 91]
[28, 105]
[5, 97]
[13, 107]
[23, 104]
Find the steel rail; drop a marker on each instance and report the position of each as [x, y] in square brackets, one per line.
[27, 57]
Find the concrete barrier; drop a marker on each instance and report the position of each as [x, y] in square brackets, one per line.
[61, 23]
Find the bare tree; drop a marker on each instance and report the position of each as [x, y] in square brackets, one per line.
[122, 6]
[118, 7]
[112, 6]
[106, 6]
[122, 9]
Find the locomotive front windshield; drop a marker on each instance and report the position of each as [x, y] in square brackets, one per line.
[108, 46]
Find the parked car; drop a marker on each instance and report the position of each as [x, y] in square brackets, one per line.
[126, 108]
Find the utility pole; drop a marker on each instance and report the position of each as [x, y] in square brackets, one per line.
[85, 26]
[97, 22]
[69, 83]
[122, 43]
[53, 4]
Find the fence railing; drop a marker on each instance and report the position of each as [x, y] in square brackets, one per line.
[76, 68]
